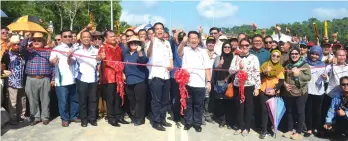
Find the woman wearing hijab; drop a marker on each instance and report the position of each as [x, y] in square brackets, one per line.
[297, 76]
[240, 65]
[272, 78]
[315, 90]
[221, 80]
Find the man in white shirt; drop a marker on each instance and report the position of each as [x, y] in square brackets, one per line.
[159, 53]
[197, 63]
[65, 79]
[214, 31]
[86, 79]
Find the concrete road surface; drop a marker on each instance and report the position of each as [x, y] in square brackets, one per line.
[104, 132]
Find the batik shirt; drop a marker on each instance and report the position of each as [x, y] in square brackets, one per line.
[16, 67]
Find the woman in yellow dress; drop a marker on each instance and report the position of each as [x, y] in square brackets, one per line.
[272, 78]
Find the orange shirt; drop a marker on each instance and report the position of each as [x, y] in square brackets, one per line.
[108, 74]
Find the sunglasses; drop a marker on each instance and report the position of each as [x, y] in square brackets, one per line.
[268, 42]
[57, 39]
[37, 40]
[294, 53]
[227, 46]
[275, 56]
[98, 39]
[344, 84]
[4, 32]
[245, 45]
[305, 47]
[67, 36]
[129, 35]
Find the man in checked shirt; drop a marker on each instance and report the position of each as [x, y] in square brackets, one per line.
[39, 79]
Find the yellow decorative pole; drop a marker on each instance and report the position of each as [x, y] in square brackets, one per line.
[91, 21]
[326, 34]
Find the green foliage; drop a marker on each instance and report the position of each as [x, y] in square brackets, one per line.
[302, 29]
[61, 13]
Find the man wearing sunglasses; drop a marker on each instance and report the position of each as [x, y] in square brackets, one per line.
[97, 39]
[129, 33]
[57, 40]
[303, 50]
[268, 42]
[4, 39]
[215, 32]
[338, 111]
[65, 71]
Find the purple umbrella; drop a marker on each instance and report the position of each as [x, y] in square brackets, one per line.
[276, 111]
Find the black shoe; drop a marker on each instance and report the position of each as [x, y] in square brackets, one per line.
[187, 127]
[158, 127]
[222, 125]
[198, 128]
[122, 121]
[137, 123]
[166, 124]
[93, 123]
[34, 122]
[306, 134]
[263, 135]
[178, 125]
[114, 123]
[84, 124]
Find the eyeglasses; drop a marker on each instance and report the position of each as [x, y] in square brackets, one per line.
[275, 56]
[294, 53]
[227, 46]
[4, 32]
[270, 42]
[129, 35]
[57, 39]
[245, 45]
[67, 36]
[213, 33]
[344, 84]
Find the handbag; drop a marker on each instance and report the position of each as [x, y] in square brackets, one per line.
[229, 91]
[220, 86]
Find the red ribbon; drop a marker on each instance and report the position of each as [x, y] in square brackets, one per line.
[242, 77]
[182, 77]
[119, 67]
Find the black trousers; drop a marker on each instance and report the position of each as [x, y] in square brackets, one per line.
[175, 99]
[223, 111]
[245, 109]
[313, 111]
[295, 105]
[195, 105]
[87, 93]
[113, 102]
[264, 110]
[137, 100]
[160, 98]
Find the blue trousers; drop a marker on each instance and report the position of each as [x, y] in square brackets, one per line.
[67, 102]
[195, 106]
[160, 98]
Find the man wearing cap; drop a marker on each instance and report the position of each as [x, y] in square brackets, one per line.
[303, 50]
[40, 78]
[328, 56]
[15, 80]
[97, 39]
[284, 48]
[215, 32]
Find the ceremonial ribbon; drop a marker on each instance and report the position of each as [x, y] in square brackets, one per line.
[242, 77]
[182, 77]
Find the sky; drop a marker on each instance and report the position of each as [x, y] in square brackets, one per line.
[190, 15]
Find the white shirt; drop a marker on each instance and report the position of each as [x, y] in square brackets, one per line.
[212, 60]
[283, 37]
[329, 57]
[86, 68]
[316, 84]
[161, 55]
[64, 73]
[193, 59]
[218, 47]
[335, 72]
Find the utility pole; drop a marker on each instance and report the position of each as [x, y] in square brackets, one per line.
[111, 16]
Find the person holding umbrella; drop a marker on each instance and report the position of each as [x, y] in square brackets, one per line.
[297, 76]
[272, 74]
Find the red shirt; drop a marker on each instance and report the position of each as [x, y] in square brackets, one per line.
[108, 74]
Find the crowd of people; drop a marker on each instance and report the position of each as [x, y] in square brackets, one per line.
[83, 69]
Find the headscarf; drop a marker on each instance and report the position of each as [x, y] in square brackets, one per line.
[291, 64]
[318, 50]
[227, 62]
[276, 68]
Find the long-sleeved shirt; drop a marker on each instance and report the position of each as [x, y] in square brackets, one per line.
[177, 60]
[38, 63]
[112, 54]
[16, 66]
[332, 112]
[251, 66]
[263, 55]
[134, 73]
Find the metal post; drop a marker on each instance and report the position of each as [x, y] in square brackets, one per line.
[111, 16]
